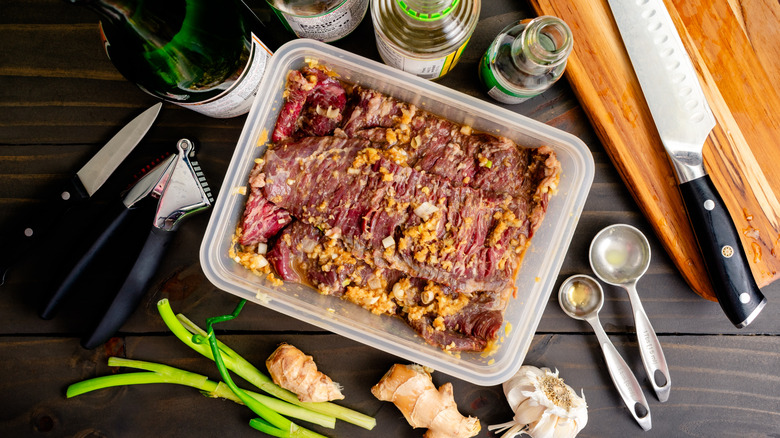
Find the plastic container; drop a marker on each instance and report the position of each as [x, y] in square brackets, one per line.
[540, 266]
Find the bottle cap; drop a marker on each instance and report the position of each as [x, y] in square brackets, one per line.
[426, 16]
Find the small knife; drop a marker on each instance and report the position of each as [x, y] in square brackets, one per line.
[146, 186]
[684, 121]
[84, 184]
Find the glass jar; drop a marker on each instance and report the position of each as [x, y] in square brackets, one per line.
[423, 37]
[322, 20]
[525, 59]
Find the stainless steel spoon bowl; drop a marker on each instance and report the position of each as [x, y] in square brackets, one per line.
[581, 297]
[620, 255]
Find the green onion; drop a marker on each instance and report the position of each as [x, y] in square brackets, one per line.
[272, 422]
[184, 329]
[159, 373]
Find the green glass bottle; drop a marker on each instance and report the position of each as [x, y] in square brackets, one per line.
[204, 55]
[525, 59]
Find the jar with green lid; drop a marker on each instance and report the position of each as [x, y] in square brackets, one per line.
[526, 58]
[322, 20]
[423, 37]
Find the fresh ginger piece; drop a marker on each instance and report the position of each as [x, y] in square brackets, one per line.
[291, 369]
[411, 389]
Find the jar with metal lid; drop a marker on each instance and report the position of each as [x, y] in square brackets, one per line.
[526, 58]
[322, 20]
[423, 37]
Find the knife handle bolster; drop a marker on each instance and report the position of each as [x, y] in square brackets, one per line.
[74, 192]
[721, 248]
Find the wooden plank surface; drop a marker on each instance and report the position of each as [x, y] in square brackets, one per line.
[60, 101]
[733, 51]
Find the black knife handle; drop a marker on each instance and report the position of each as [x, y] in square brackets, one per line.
[118, 216]
[724, 257]
[29, 232]
[133, 289]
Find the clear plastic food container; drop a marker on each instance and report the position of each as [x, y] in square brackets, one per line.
[541, 263]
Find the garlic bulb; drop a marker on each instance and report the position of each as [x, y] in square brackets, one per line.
[544, 406]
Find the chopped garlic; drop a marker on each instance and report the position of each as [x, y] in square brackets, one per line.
[262, 248]
[425, 210]
[388, 241]
[258, 261]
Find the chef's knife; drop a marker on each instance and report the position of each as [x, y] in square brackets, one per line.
[684, 121]
[81, 187]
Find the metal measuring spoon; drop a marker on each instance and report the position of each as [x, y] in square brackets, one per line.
[620, 255]
[581, 297]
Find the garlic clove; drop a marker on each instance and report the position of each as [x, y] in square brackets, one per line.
[565, 428]
[528, 412]
[545, 427]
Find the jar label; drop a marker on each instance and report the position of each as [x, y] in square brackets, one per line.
[238, 99]
[329, 26]
[424, 68]
[495, 89]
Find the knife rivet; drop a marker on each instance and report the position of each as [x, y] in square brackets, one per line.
[727, 251]
[744, 298]
[65, 196]
[709, 205]
[28, 232]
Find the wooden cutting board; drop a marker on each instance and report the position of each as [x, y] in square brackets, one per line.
[735, 47]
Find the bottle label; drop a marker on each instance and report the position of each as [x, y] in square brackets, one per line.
[495, 89]
[329, 26]
[425, 68]
[237, 99]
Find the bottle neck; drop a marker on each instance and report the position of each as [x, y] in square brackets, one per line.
[546, 41]
[427, 10]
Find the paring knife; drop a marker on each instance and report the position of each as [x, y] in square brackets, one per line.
[150, 185]
[83, 185]
[684, 121]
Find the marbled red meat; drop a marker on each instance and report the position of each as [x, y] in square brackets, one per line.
[377, 196]
[462, 243]
[302, 250]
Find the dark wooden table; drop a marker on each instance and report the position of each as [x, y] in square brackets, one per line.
[61, 99]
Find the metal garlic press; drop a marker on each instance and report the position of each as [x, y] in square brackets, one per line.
[181, 190]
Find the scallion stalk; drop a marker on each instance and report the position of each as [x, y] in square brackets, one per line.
[159, 373]
[272, 422]
[184, 329]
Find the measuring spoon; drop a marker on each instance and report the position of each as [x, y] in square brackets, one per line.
[581, 297]
[620, 255]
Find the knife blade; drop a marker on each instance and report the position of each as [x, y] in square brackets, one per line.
[684, 120]
[24, 235]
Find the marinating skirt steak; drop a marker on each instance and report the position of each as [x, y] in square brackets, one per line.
[393, 208]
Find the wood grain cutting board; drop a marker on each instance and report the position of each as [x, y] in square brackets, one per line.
[735, 48]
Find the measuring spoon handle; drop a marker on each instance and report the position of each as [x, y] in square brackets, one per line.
[623, 378]
[650, 349]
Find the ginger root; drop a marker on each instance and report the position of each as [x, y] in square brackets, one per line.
[411, 389]
[291, 369]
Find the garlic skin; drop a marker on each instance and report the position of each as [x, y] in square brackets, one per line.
[544, 406]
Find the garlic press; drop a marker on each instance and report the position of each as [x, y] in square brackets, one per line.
[183, 191]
